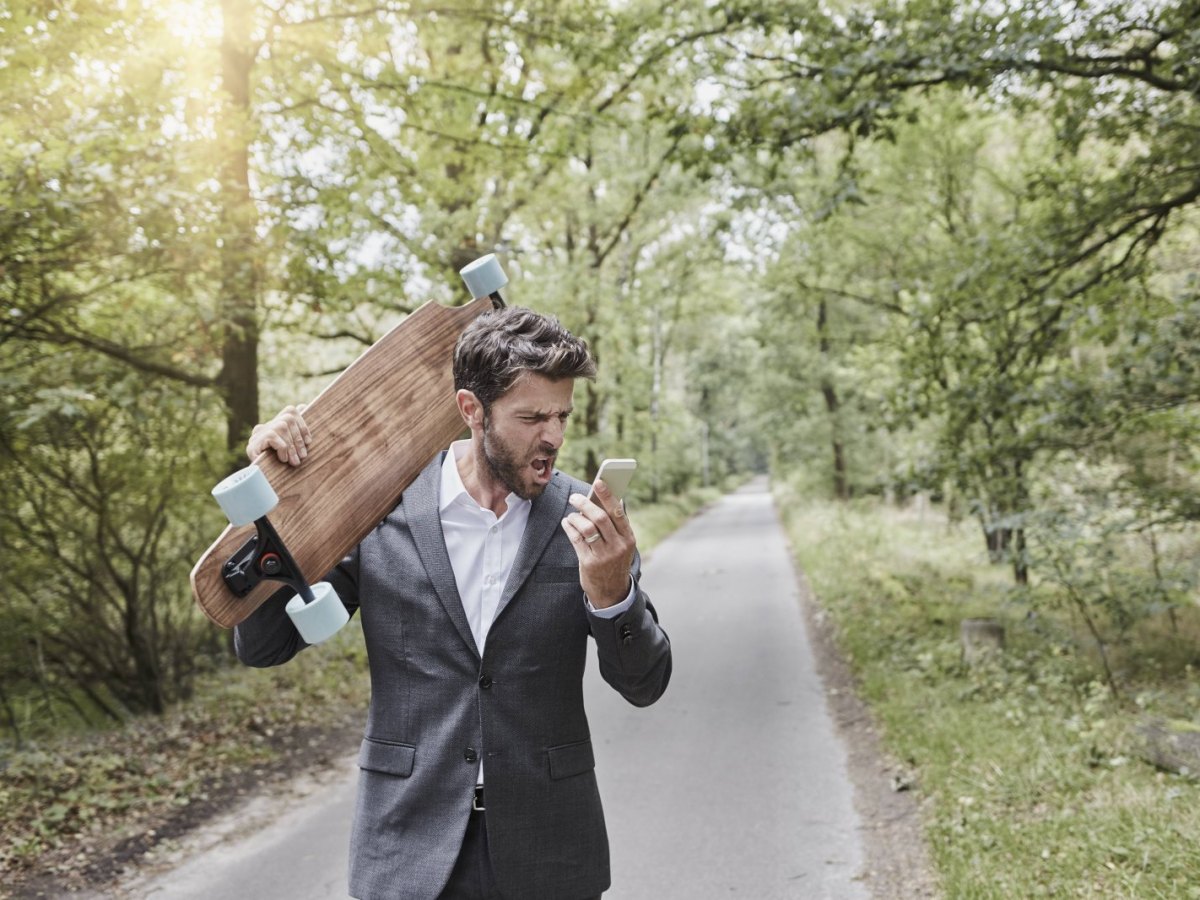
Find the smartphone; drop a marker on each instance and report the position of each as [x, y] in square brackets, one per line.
[616, 473]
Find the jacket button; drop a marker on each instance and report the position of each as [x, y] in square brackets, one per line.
[485, 682]
[626, 633]
[470, 755]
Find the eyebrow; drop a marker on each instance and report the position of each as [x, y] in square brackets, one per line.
[540, 414]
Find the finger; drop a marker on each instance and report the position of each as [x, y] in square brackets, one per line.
[592, 535]
[275, 436]
[283, 448]
[262, 441]
[594, 514]
[304, 432]
[574, 535]
[294, 416]
[254, 445]
[296, 437]
[278, 439]
[601, 493]
[614, 526]
[614, 508]
[621, 523]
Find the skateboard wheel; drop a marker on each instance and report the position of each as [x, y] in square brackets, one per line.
[484, 276]
[323, 618]
[245, 496]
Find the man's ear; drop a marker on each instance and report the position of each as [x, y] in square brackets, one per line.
[470, 409]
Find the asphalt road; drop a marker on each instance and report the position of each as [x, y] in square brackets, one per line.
[733, 785]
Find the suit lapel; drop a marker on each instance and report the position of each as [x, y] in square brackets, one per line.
[425, 524]
[545, 518]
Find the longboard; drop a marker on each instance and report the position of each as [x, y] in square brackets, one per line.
[373, 428]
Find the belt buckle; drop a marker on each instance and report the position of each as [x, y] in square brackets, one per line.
[477, 800]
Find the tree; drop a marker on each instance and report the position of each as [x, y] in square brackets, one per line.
[290, 173]
[991, 316]
[95, 533]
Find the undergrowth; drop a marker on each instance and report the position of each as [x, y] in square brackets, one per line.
[1027, 763]
[72, 803]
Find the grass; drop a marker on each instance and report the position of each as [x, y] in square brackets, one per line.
[653, 522]
[1026, 764]
[76, 807]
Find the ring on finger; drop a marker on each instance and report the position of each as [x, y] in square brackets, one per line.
[592, 539]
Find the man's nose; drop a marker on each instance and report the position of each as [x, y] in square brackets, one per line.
[553, 432]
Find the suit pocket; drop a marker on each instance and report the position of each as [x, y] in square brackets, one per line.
[385, 757]
[571, 759]
[555, 575]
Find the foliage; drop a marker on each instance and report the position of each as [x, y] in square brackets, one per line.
[70, 807]
[1005, 203]
[1027, 761]
[96, 524]
[1111, 564]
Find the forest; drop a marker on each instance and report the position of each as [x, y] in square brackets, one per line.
[924, 251]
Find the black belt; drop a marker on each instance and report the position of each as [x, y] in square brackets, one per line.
[477, 804]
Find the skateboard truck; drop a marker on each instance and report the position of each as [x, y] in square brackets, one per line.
[250, 565]
[246, 497]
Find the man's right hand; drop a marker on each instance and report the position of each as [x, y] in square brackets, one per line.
[286, 434]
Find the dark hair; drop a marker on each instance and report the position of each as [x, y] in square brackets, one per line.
[500, 346]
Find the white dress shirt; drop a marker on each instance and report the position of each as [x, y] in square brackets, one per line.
[482, 546]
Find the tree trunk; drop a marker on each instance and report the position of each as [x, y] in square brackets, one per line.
[841, 488]
[11, 714]
[592, 401]
[1019, 560]
[591, 427]
[238, 380]
[144, 654]
[998, 541]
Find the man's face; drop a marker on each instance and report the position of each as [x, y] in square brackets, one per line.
[523, 431]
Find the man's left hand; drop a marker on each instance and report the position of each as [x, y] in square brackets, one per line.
[604, 542]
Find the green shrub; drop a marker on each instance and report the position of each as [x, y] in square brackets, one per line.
[1026, 762]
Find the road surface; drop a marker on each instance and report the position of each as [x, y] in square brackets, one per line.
[733, 785]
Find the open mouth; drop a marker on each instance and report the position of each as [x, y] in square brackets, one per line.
[543, 467]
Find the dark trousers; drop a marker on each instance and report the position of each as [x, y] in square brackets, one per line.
[472, 877]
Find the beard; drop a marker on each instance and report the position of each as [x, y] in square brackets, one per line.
[506, 465]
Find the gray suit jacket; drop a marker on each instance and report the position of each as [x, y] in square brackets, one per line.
[437, 707]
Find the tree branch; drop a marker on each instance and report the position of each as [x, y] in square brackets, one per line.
[639, 197]
[127, 355]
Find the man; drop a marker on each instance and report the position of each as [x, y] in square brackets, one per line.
[478, 593]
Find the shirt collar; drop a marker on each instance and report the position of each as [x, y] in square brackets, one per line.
[452, 490]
